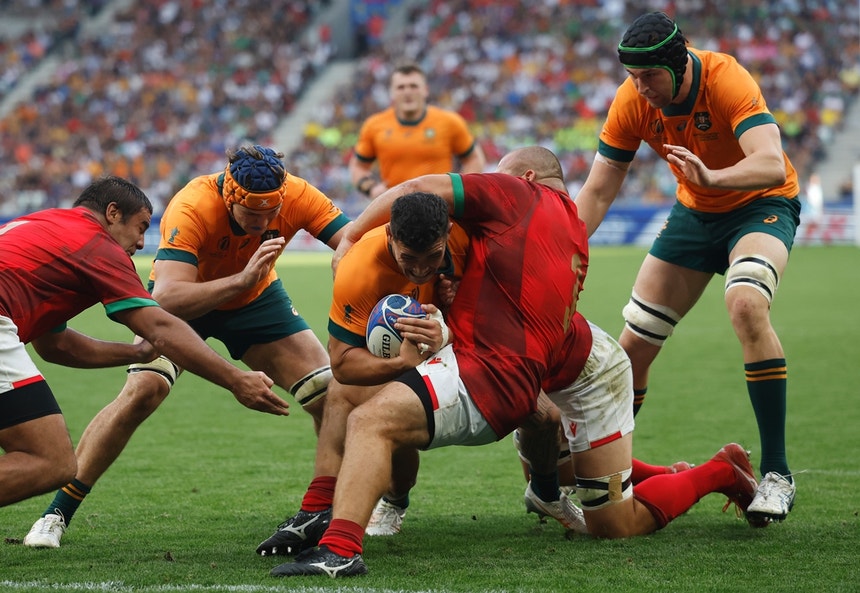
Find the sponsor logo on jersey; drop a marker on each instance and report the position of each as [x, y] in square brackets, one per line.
[771, 219]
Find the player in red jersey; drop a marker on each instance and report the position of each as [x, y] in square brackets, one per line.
[53, 265]
[514, 305]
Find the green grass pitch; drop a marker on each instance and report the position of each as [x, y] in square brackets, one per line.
[204, 480]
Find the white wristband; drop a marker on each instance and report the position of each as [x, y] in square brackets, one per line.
[446, 334]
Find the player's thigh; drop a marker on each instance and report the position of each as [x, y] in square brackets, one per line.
[395, 413]
[669, 285]
[46, 437]
[764, 244]
[288, 359]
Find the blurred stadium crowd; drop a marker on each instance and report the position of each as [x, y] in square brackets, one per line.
[163, 89]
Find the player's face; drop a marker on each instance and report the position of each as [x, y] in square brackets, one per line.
[254, 222]
[129, 232]
[419, 266]
[654, 85]
[408, 94]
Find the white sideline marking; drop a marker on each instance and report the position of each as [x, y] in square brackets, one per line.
[120, 587]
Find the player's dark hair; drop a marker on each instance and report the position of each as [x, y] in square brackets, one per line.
[418, 220]
[129, 198]
[407, 68]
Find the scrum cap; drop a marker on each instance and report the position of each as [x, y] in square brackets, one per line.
[255, 178]
[655, 41]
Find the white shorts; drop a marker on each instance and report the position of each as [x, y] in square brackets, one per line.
[455, 419]
[16, 366]
[598, 407]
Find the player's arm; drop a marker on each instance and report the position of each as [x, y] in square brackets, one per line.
[474, 162]
[363, 178]
[352, 365]
[599, 190]
[180, 343]
[178, 291]
[73, 349]
[762, 166]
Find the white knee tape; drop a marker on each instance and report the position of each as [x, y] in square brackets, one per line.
[650, 321]
[161, 366]
[312, 386]
[755, 271]
[596, 493]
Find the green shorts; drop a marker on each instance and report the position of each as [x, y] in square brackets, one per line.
[270, 317]
[703, 240]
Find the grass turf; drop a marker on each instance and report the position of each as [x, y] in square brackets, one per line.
[204, 480]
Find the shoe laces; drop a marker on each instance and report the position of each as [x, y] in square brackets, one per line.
[389, 512]
[53, 519]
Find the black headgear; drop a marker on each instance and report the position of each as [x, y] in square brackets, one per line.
[655, 41]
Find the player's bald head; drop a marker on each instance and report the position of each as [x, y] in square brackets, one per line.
[535, 158]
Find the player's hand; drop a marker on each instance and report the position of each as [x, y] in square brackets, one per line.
[253, 390]
[342, 247]
[690, 165]
[446, 290]
[145, 351]
[261, 262]
[425, 336]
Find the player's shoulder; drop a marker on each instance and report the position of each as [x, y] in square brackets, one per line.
[380, 118]
[716, 65]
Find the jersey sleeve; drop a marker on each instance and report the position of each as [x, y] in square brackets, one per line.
[310, 209]
[364, 149]
[462, 141]
[734, 91]
[355, 292]
[621, 135]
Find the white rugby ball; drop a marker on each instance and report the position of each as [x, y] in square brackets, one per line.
[382, 339]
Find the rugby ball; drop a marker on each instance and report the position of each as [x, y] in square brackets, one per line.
[382, 339]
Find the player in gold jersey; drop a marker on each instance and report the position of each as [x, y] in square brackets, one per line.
[215, 267]
[411, 138]
[736, 214]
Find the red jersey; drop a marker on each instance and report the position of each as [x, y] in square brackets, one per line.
[571, 357]
[515, 305]
[56, 263]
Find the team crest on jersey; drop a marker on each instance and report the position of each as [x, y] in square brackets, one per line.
[270, 234]
[223, 243]
[703, 120]
[173, 232]
[771, 219]
[656, 127]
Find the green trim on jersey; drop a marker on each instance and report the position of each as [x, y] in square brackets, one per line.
[168, 254]
[459, 194]
[126, 304]
[616, 154]
[755, 120]
[333, 227]
[347, 337]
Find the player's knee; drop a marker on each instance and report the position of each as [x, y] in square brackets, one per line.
[599, 493]
[147, 386]
[162, 367]
[312, 387]
[651, 322]
[753, 271]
